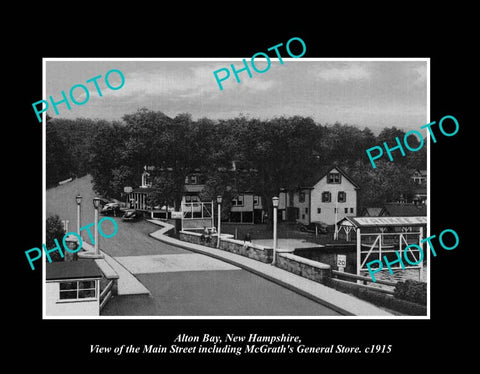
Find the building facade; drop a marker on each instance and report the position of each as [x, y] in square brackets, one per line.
[327, 198]
[72, 288]
[331, 197]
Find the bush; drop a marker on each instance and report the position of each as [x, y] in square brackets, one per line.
[411, 290]
[54, 228]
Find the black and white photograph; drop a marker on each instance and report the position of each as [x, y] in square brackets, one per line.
[288, 194]
[221, 197]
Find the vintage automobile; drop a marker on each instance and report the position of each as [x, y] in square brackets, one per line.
[313, 227]
[111, 209]
[132, 215]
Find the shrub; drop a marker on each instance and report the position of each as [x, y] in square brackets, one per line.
[411, 290]
[54, 230]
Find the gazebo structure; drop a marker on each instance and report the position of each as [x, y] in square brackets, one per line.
[377, 237]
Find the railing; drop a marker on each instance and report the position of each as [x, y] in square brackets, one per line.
[364, 278]
[106, 294]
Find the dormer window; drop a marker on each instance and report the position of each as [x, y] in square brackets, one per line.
[334, 177]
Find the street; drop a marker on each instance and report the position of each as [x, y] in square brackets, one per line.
[182, 283]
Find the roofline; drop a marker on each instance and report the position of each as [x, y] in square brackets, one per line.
[353, 221]
[341, 172]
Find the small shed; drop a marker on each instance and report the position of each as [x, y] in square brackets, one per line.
[377, 236]
[73, 288]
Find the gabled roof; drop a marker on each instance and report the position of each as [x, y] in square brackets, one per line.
[363, 222]
[316, 177]
[372, 211]
[404, 210]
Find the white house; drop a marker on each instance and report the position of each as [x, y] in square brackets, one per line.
[73, 288]
[329, 198]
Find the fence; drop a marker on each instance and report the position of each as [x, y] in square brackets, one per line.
[197, 215]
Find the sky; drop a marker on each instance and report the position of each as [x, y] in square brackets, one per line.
[361, 92]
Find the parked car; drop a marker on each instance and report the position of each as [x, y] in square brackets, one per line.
[132, 215]
[111, 209]
[312, 227]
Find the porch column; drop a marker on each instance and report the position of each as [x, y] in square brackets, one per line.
[359, 249]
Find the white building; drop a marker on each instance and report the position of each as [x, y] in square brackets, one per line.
[73, 288]
[328, 198]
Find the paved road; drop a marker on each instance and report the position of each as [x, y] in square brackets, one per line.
[132, 237]
[181, 282]
[214, 293]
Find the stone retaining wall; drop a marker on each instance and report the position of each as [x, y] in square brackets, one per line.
[227, 243]
[306, 268]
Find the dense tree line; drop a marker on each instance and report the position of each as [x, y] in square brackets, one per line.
[68, 145]
[235, 155]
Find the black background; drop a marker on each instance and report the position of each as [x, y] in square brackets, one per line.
[237, 33]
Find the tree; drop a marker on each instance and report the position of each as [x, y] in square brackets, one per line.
[262, 157]
[122, 176]
[219, 183]
[54, 230]
[108, 162]
[384, 184]
[344, 144]
[165, 187]
[78, 135]
[58, 158]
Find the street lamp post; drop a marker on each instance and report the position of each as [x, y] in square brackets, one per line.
[275, 239]
[78, 198]
[96, 205]
[219, 204]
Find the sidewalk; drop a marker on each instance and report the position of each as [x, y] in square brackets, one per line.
[343, 303]
[288, 243]
[127, 283]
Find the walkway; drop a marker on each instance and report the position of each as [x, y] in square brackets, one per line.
[288, 243]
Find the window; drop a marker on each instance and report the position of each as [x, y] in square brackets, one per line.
[191, 179]
[351, 210]
[319, 210]
[334, 178]
[146, 180]
[306, 210]
[326, 197]
[77, 290]
[346, 210]
[191, 198]
[256, 200]
[303, 216]
[342, 196]
[301, 197]
[237, 201]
